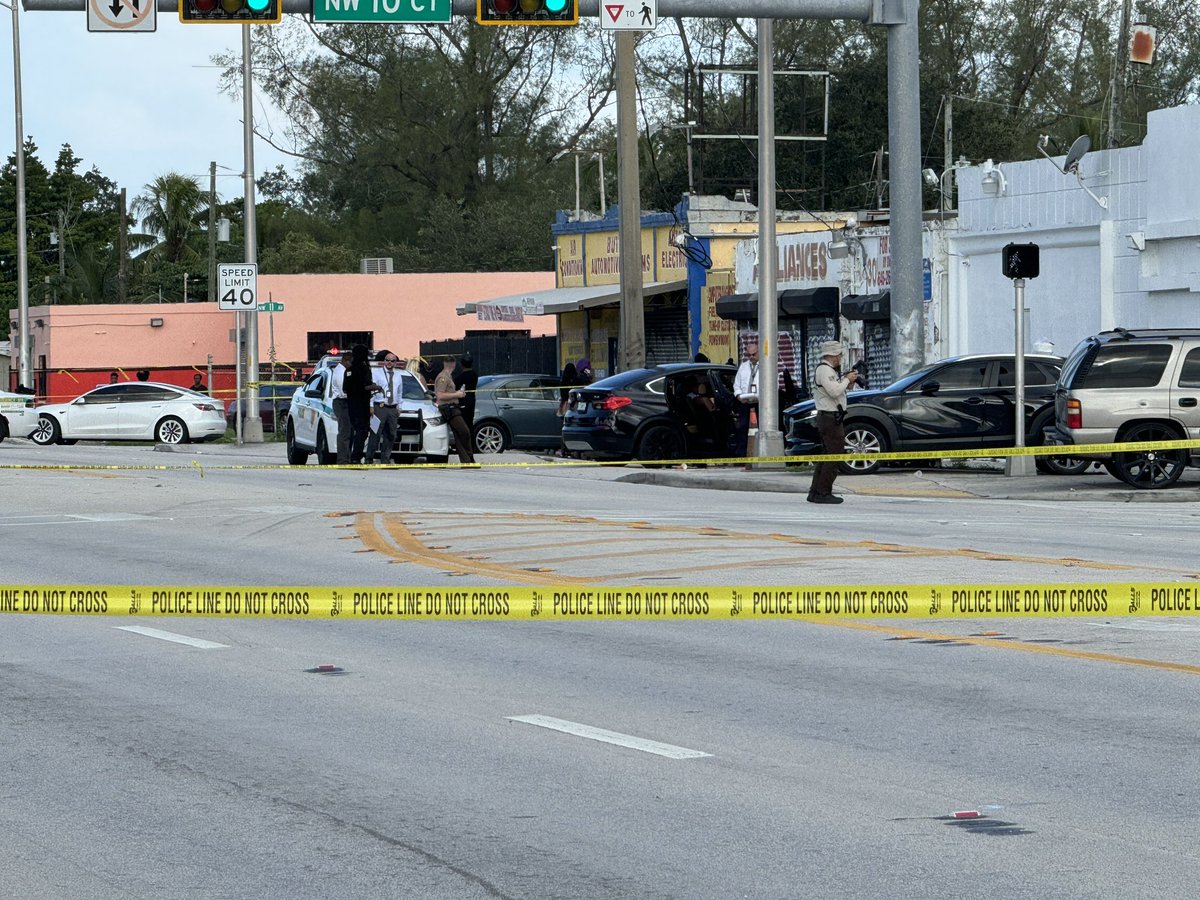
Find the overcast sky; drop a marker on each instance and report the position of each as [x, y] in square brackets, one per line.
[135, 105]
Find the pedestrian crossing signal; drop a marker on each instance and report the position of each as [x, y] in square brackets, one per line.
[526, 12]
[236, 12]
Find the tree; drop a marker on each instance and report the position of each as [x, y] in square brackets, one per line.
[393, 123]
[171, 211]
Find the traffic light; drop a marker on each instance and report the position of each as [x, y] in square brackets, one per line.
[526, 12]
[236, 12]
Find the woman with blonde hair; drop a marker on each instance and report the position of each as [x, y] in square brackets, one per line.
[413, 366]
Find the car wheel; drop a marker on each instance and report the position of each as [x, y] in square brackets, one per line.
[660, 442]
[324, 457]
[295, 456]
[171, 431]
[3, 428]
[1054, 465]
[862, 437]
[1150, 468]
[490, 437]
[47, 432]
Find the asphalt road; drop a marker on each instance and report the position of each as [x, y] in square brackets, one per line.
[735, 759]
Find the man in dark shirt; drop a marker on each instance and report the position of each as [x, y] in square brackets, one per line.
[467, 379]
[359, 385]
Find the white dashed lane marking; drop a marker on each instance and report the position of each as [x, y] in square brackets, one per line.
[611, 737]
[174, 638]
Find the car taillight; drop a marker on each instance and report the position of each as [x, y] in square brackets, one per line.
[205, 407]
[1074, 414]
[614, 402]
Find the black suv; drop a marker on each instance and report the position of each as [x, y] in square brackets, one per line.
[965, 402]
[648, 414]
[1133, 385]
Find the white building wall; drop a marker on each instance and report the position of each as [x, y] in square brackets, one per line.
[1093, 276]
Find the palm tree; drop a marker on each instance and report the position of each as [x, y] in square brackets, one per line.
[170, 211]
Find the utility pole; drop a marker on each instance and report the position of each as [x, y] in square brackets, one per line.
[212, 230]
[1116, 89]
[948, 147]
[62, 244]
[633, 317]
[122, 249]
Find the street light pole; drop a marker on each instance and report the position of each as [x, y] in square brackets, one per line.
[24, 351]
[252, 431]
[770, 438]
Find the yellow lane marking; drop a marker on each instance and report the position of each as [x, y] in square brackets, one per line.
[404, 547]
[421, 536]
[1022, 646]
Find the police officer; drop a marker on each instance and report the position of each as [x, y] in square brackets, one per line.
[829, 394]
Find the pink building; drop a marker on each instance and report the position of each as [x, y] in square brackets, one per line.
[320, 311]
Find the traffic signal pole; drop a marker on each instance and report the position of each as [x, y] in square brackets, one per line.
[904, 133]
[633, 321]
[252, 429]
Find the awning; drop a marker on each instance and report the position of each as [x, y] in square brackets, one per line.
[822, 301]
[868, 307]
[555, 301]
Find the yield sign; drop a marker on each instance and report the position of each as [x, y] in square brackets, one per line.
[636, 15]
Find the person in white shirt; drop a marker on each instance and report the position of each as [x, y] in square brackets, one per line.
[745, 389]
[829, 397]
[385, 407]
[341, 410]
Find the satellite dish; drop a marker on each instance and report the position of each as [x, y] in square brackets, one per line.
[1082, 145]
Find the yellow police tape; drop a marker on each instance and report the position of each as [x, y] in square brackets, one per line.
[521, 603]
[1074, 452]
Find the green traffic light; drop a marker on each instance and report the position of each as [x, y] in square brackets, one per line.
[556, 6]
[258, 5]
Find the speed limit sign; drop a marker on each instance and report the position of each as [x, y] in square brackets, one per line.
[237, 286]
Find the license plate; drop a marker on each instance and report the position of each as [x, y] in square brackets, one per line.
[581, 406]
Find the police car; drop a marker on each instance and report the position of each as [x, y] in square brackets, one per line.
[312, 425]
[18, 418]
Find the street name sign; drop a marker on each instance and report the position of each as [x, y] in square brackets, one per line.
[270, 306]
[122, 15]
[237, 286]
[635, 15]
[387, 11]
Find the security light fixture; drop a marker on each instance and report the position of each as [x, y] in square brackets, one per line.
[156, 323]
[993, 181]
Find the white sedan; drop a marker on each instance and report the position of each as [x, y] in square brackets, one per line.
[312, 425]
[132, 411]
[17, 415]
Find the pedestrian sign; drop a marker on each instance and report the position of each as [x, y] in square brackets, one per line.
[634, 15]
[237, 286]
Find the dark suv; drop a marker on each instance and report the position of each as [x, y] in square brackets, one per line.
[1131, 385]
[965, 402]
[650, 414]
